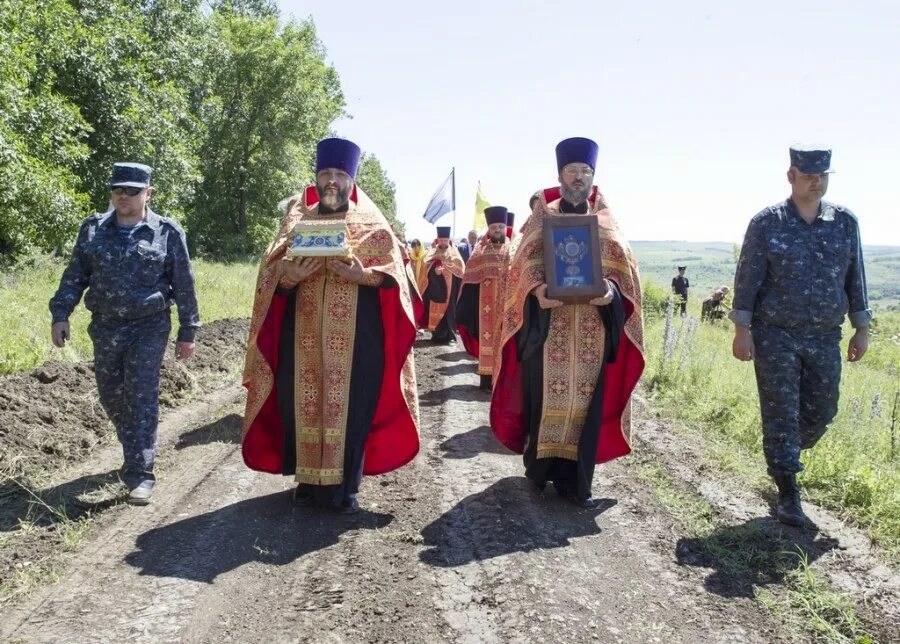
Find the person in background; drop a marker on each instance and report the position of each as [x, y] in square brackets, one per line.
[416, 257]
[714, 306]
[680, 285]
[442, 272]
[480, 303]
[467, 246]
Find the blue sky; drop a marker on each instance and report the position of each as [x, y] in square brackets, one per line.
[693, 104]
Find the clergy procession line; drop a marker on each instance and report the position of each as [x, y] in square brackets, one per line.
[553, 315]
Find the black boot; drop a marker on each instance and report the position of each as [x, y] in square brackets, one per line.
[348, 505]
[789, 510]
[588, 503]
[303, 495]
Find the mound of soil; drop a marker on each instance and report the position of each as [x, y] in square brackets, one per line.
[51, 415]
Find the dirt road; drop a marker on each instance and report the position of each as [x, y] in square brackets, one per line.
[455, 547]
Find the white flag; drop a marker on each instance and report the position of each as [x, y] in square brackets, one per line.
[443, 200]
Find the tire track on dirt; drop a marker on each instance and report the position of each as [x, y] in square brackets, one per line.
[102, 585]
[542, 569]
[455, 547]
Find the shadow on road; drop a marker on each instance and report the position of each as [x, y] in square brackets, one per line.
[472, 443]
[457, 369]
[509, 516]
[224, 430]
[756, 553]
[455, 356]
[266, 529]
[454, 392]
[68, 501]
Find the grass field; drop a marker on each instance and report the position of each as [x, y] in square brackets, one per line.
[712, 264]
[854, 470]
[223, 291]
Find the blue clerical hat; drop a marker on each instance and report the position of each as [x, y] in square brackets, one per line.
[443, 232]
[576, 150]
[510, 218]
[810, 159]
[338, 153]
[130, 175]
[495, 215]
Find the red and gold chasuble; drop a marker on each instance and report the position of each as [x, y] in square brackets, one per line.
[325, 317]
[453, 264]
[573, 351]
[487, 268]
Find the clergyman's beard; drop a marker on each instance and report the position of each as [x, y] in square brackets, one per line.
[575, 197]
[333, 200]
[498, 238]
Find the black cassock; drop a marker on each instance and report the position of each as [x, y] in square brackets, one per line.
[445, 331]
[468, 316]
[467, 309]
[365, 387]
[569, 477]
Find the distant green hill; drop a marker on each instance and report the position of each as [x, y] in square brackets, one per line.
[712, 264]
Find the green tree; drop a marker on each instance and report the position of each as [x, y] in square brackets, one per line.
[85, 83]
[248, 8]
[374, 181]
[42, 134]
[275, 97]
[224, 101]
[136, 75]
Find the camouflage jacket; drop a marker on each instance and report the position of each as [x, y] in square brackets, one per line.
[795, 275]
[133, 279]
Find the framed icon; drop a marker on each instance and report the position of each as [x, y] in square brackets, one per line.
[572, 258]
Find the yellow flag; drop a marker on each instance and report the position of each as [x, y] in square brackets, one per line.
[479, 222]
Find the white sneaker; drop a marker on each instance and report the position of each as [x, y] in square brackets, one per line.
[142, 493]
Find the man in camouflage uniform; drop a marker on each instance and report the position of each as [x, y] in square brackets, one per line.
[800, 272]
[134, 265]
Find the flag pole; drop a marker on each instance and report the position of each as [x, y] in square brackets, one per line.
[453, 183]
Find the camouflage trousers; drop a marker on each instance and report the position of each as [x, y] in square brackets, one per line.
[798, 373]
[127, 360]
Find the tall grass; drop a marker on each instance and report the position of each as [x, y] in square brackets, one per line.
[854, 468]
[223, 291]
[752, 557]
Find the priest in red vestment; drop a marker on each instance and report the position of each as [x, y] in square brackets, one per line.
[565, 373]
[331, 388]
[442, 272]
[480, 299]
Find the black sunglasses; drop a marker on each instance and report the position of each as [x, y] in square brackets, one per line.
[128, 190]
